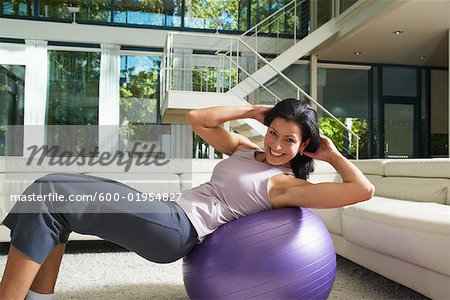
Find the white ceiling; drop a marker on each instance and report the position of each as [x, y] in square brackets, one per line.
[426, 25]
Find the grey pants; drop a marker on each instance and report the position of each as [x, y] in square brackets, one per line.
[156, 230]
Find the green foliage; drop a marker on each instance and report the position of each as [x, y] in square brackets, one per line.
[138, 93]
[73, 88]
[201, 148]
[439, 144]
[142, 85]
[205, 79]
[154, 6]
[339, 135]
[222, 13]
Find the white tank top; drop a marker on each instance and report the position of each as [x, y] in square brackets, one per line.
[238, 187]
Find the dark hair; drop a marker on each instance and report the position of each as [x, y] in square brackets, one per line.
[300, 112]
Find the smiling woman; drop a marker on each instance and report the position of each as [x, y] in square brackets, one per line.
[161, 231]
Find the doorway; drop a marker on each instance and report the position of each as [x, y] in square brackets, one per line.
[400, 121]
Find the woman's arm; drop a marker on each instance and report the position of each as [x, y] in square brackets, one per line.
[354, 188]
[207, 123]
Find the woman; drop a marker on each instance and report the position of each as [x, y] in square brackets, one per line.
[260, 180]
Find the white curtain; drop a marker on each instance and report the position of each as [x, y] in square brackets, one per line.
[181, 142]
[181, 135]
[12, 54]
[182, 73]
[109, 96]
[36, 77]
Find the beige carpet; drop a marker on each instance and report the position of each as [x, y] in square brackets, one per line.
[124, 275]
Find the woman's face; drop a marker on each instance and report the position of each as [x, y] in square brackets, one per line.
[282, 142]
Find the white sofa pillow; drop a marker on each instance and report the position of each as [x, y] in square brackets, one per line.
[413, 189]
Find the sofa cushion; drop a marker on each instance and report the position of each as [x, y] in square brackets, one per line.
[17, 164]
[413, 189]
[436, 167]
[374, 178]
[146, 183]
[332, 177]
[204, 165]
[448, 193]
[332, 218]
[370, 166]
[190, 180]
[85, 165]
[322, 167]
[14, 184]
[415, 232]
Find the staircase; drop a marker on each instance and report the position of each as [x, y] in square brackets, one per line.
[237, 69]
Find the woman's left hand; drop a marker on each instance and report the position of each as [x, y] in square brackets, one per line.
[326, 151]
[259, 112]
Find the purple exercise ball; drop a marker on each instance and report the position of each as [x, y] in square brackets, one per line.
[284, 253]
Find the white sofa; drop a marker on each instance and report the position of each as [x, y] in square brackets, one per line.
[403, 233]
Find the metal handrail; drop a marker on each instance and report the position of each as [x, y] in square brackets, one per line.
[270, 16]
[248, 74]
[299, 89]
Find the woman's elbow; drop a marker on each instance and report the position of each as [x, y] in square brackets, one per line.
[367, 192]
[191, 117]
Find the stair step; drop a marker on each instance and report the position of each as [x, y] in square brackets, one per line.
[241, 127]
[257, 139]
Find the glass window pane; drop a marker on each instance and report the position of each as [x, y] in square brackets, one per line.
[138, 98]
[54, 9]
[400, 81]
[344, 4]
[260, 10]
[12, 83]
[324, 11]
[148, 12]
[346, 95]
[17, 7]
[94, 10]
[299, 74]
[217, 14]
[242, 15]
[73, 93]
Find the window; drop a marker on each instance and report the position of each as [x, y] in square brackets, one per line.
[400, 81]
[218, 14]
[345, 4]
[12, 83]
[346, 94]
[148, 12]
[139, 80]
[17, 7]
[99, 10]
[73, 97]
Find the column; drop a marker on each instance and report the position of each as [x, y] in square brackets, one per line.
[448, 145]
[313, 78]
[35, 94]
